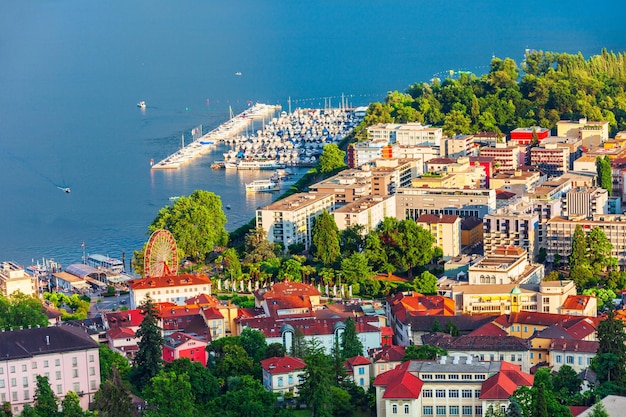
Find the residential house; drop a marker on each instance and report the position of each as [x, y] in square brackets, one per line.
[13, 278]
[180, 345]
[385, 358]
[358, 369]
[282, 375]
[170, 288]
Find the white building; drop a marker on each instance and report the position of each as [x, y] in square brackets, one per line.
[407, 134]
[282, 374]
[13, 278]
[171, 288]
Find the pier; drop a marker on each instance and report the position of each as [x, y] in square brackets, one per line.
[223, 132]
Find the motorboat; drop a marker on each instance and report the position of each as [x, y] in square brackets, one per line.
[262, 185]
[141, 104]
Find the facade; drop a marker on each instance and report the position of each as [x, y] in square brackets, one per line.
[524, 135]
[451, 386]
[282, 374]
[290, 221]
[413, 202]
[385, 359]
[518, 181]
[358, 369]
[366, 211]
[181, 345]
[460, 145]
[512, 225]
[591, 133]
[446, 229]
[506, 158]
[561, 231]
[551, 159]
[505, 265]
[347, 186]
[584, 201]
[364, 152]
[408, 134]
[546, 202]
[172, 288]
[13, 278]
[64, 354]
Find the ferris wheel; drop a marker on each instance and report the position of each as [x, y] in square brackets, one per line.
[161, 256]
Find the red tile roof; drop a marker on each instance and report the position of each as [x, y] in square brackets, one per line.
[489, 329]
[586, 346]
[387, 354]
[403, 305]
[503, 384]
[309, 326]
[400, 383]
[286, 288]
[169, 281]
[442, 218]
[120, 333]
[128, 318]
[211, 313]
[178, 338]
[169, 310]
[576, 302]
[281, 365]
[358, 360]
[541, 319]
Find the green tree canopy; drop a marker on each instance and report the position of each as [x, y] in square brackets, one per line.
[257, 247]
[426, 283]
[21, 310]
[603, 170]
[169, 394]
[350, 343]
[46, 403]
[204, 385]
[113, 398]
[423, 352]
[325, 236]
[148, 360]
[254, 343]
[331, 159]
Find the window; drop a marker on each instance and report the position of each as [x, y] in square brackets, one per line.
[441, 410]
[454, 410]
[467, 410]
[90, 358]
[14, 393]
[25, 382]
[1, 383]
[14, 382]
[75, 373]
[525, 329]
[479, 376]
[440, 393]
[427, 376]
[466, 393]
[361, 381]
[34, 365]
[76, 386]
[453, 376]
[290, 380]
[519, 357]
[569, 359]
[532, 355]
[92, 370]
[479, 410]
[92, 385]
[512, 358]
[428, 393]
[57, 362]
[453, 393]
[580, 360]
[427, 410]
[476, 393]
[394, 409]
[361, 371]
[280, 381]
[59, 389]
[45, 364]
[26, 395]
[466, 377]
[58, 374]
[559, 359]
[12, 369]
[406, 409]
[440, 376]
[1, 371]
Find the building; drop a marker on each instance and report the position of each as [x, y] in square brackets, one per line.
[546, 202]
[573, 146]
[366, 211]
[518, 181]
[289, 221]
[459, 145]
[385, 358]
[471, 231]
[524, 135]
[347, 186]
[361, 153]
[407, 134]
[551, 159]
[505, 265]
[180, 345]
[446, 229]
[358, 369]
[13, 278]
[506, 158]
[450, 386]
[282, 375]
[584, 201]
[512, 225]
[64, 354]
[413, 202]
[590, 133]
[561, 230]
[170, 288]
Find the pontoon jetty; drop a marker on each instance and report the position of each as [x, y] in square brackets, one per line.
[203, 143]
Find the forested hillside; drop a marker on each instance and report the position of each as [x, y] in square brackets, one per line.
[545, 88]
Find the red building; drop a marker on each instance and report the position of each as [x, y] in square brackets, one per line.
[181, 345]
[524, 135]
[487, 164]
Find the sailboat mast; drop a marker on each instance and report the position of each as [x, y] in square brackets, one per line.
[182, 138]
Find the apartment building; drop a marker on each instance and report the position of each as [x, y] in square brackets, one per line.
[368, 212]
[546, 202]
[584, 201]
[170, 288]
[13, 278]
[518, 181]
[347, 186]
[574, 147]
[512, 225]
[282, 374]
[524, 135]
[561, 231]
[407, 134]
[506, 158]
[450, 386]
[290, 220]
[505, 265]
[66, 355]
[413, 202]
[459, 145]
[551, 159]
[361, 153]
[446, 229]
[590, 133]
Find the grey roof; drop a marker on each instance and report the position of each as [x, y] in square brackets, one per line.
[466, 324]
[479, 343]
[18, 344]
[82, 271]
[446, 364]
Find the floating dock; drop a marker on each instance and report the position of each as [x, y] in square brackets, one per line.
[203, 144]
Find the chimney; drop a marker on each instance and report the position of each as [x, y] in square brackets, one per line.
[48, 340]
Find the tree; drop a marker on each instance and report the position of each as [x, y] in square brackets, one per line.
[426, 283]
[71, 405]
[253, 342]
[514, 409]
[578, 256]
[21, 311]
[566, 383]
[275, 350]
[542, 255]
[113, 399]
[148, 360]
[436, 327]
[352, 240]
[110, 359]
[204, 385]
[325, 236]
[245, 397]
[197, 223]
[169, 394]
[603, 170]
[46, 403]
[599, 249]
[604, 297]
[405, 243]
[331, 159]
[599, 410]
[355, 267]
[452, 329]
[456, 122]
[350, 343]
[235, 362]
[610, 360]
[494, 411]
[540, 407]
[257, 247]
[298, 348]
[316, 381]
[231, 264]
[423, 352]
[290, 270]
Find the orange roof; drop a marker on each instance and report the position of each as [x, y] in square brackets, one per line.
[128, 318]
[489, 329]
[280, 365]
[420, 305]
[576, 302]
[358, 360]
[181, 280]
[211, 313]
[388, 354]
[169, 310]
[204, 299]
[286, 288]
[120, 333]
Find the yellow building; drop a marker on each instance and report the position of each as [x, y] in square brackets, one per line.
[13, 278]
[446, 229]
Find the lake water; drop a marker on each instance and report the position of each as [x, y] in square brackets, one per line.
[71, 73]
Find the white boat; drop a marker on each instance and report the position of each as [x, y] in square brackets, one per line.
[259, 164]
[142, 104]
[262, 185]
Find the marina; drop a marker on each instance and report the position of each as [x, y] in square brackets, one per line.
[202, 144]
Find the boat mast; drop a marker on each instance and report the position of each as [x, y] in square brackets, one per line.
[182, 138]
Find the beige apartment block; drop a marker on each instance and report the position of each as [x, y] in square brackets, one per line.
[13, 278]
[551, 159]
[506, 158]
[407, 134]
[290, 220]
[413, 202]
[584, 201]
[591, 133]
[512, 225]
[446, 229]
[367, 212]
